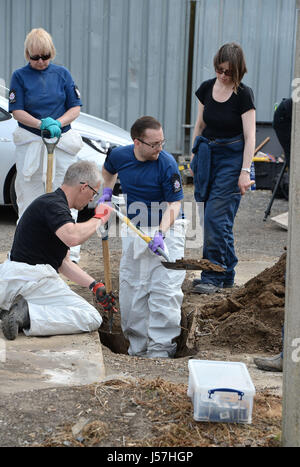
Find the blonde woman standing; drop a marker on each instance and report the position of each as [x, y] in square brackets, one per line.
[43, 96]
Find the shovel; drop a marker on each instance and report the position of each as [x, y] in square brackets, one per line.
[183, 264]
[107, 275]
[50, 150]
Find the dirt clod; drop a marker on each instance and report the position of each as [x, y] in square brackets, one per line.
[196, 264]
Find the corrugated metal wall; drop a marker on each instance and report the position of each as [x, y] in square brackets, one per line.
[130, 57]
[266, 31]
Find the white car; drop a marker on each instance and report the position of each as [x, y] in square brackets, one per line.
[98, 135]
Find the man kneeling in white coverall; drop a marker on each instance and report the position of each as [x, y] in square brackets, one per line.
[150, 295]
[33, 297]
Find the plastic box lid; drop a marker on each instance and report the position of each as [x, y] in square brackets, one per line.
[207, 374]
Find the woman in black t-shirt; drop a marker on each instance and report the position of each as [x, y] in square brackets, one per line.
[224, 143]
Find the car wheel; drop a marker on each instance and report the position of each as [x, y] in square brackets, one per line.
[12, 193]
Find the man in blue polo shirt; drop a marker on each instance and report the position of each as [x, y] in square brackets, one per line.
[150, 295]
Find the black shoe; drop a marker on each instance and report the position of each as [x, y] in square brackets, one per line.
[269, 364]
[196, 282]
[226, 285]
[205, 288]
[16, 319]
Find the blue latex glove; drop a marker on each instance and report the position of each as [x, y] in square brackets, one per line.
[106, 195]
[54, 131]
[158, 241]
[46, 122]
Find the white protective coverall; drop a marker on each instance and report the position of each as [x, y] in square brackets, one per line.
[31, 164]
[53, 307]
[150, 295]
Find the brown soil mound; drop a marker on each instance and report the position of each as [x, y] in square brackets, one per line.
[248, 319]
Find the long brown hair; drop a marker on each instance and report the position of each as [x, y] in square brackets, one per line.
[234, 55]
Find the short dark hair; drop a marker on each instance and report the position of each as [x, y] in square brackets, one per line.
[142, 124]
[234, 55]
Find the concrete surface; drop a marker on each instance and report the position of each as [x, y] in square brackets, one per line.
[246, 269]
[3, 257]
[29, 363]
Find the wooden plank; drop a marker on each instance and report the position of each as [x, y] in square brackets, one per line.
[282, 220]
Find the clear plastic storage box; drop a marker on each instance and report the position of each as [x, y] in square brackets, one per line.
[220, 391]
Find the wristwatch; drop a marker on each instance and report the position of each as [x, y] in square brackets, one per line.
[92, 285]
[245, 169]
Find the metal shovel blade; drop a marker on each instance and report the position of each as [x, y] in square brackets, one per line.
[192, 265]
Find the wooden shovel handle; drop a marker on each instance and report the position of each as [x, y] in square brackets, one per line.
[49, 173]
[262, 144]
[107, 276]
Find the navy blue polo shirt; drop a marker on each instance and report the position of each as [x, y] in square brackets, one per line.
[147, 185]
[47, 93]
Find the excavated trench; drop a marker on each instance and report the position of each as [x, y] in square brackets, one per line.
[114, 339]
[247, 319]
[117, 343]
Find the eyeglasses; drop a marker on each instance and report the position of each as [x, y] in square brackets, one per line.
[91, 188]
[225, 72]
[35, 58]
[153, 145]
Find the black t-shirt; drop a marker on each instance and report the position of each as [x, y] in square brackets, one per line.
[223, 119]
[35, 241]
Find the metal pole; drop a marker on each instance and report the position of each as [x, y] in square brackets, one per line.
[291, 362]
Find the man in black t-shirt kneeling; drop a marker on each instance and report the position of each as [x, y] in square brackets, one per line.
[33, 297]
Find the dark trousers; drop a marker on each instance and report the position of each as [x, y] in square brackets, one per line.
[220, 206]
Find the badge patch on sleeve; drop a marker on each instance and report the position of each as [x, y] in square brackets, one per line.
[12, 96]
[176, 183]
[77, 92]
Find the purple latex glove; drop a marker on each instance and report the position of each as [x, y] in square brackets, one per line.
[106, 195]
[158, 241]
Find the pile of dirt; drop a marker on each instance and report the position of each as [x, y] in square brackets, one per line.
[247, 319]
